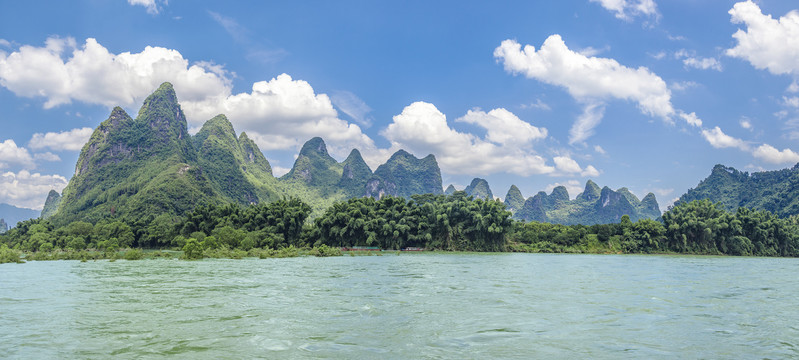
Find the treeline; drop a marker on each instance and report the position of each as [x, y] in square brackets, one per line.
[455, 222]
[434, 222]
[698, 227]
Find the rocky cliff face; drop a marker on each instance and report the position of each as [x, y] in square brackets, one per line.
[3, 226]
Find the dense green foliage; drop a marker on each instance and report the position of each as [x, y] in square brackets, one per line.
[774, 191]
[514, 199]
[592, 206]
[479, 189]
[456, 222]
[699, 227]
[51, 204]
[404, 175]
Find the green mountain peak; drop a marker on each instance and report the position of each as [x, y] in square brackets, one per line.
[514, 199]
[479, 189]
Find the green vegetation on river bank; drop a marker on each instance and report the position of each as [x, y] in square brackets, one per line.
[454, 222]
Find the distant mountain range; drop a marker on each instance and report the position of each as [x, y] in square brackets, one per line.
[592, 206]
[775, 191]
[11, 215]
[151, 166]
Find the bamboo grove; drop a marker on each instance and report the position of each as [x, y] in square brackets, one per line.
[455, 222]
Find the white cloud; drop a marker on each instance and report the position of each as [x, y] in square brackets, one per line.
[689, 59]
[691, 119]
[503, 127]
[718, 139]
[587, 77]
[702, 63]
[745, 123]
[353, 106]
[11, 153]
[662, 192]
[600, 150]
[47, 156]
[93, 75]
[150, 5]
[566, 164]
[573, 187]
[770, 154]
[422, 129]
[767, 43]
[278, 114]
[583, 128]
[279, 171]
[71, 140]
[683, 85]
[791, 101]
[591, 51]
[5, 43]
[590, 171]
[626, 10]
[659, 55]
[27, 190]
[538, 104]
[589, 80]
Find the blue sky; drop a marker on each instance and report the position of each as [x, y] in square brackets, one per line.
[646, 94]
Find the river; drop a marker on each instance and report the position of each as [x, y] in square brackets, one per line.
[437, 306]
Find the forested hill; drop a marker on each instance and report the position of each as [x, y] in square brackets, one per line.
[592, 206]
[775, 191]
[150, 166]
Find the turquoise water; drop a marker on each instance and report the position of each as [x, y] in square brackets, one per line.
[449, 306]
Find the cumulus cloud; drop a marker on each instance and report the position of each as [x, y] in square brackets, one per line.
[150, 5]
[10, 153]
[718, 139]
[93, 75]
[587, 77]
[689, 59]
[770, 154]
[422, 129]
[745, 123]
[626, 10]
[27, 190]
[503, 127]
[71, 140]
[279, 114]
[590, 80]
[767, 43]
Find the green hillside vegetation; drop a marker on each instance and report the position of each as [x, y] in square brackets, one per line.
[150, 166]
[479, 189]
[775, 191]
[514, 199]
[51, 204]
[404, 175]
[592, 206]
[434, 222]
